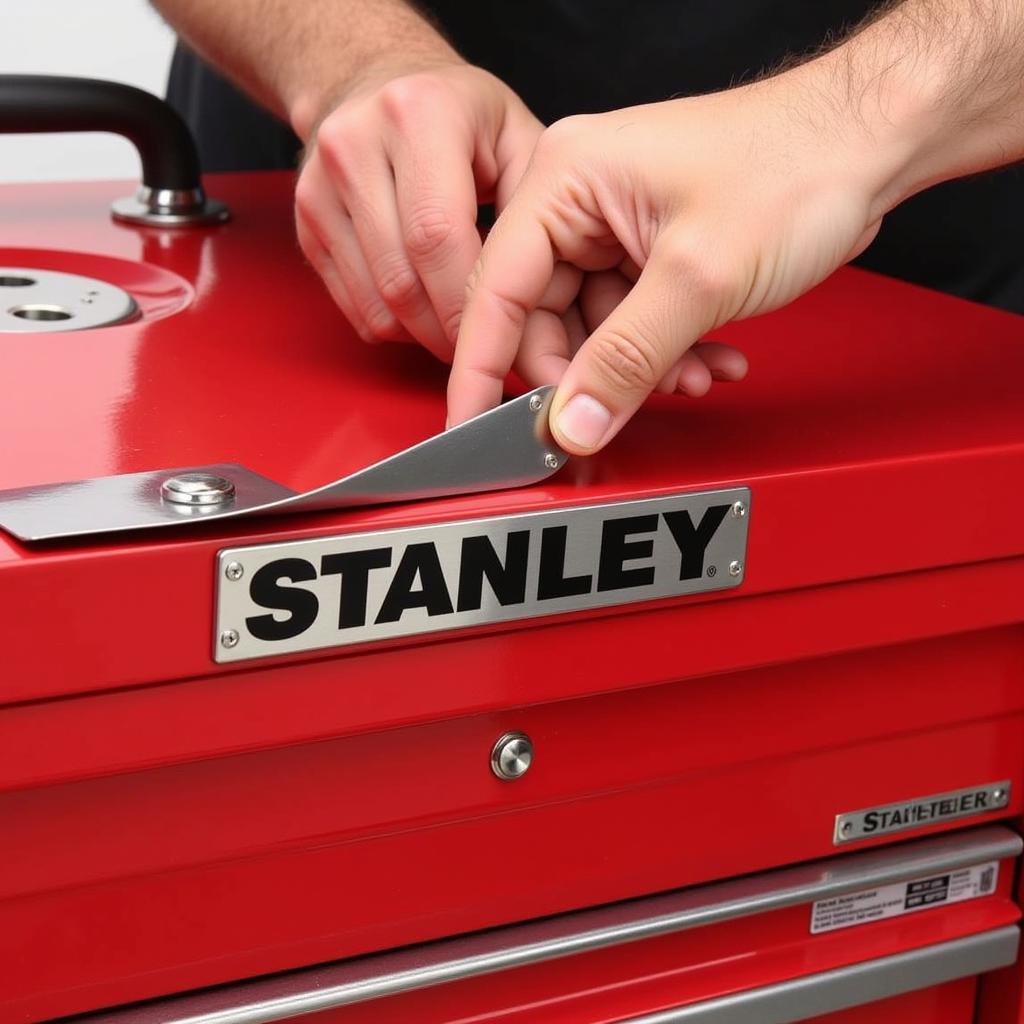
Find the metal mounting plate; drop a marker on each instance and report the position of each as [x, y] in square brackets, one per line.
[506, 447]
[44, 301]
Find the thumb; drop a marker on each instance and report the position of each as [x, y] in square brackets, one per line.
[622, 362]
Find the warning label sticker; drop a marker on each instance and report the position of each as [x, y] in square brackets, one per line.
[903, 898]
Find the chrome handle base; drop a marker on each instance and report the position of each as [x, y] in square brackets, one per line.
[169, 208]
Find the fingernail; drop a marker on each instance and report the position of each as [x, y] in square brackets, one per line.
[584, 421]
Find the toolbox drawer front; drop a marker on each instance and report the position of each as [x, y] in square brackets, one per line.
[756, 950]
[143, 882]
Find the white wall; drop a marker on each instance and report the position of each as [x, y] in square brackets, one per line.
[124, 40]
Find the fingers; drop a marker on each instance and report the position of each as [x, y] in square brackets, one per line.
[633, 350]
[326, 228]
[436, 210]
[366, 189]
[511, 277]
[725, 362]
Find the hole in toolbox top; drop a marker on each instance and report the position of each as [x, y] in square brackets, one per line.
[39, 311]
[11, 281]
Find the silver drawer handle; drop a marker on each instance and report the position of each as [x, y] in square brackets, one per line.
[868, 982]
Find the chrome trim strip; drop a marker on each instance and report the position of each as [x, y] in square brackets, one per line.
[868, 982]
[374, 976]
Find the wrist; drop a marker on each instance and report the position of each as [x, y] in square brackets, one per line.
[917, 95]
[314, 100]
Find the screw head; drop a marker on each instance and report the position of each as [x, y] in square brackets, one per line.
[229, 638]
[551, 461]
[536, 403]
[735, 568]
[847, 828]
[234, 570]
[739, 510]
[512, 756]
[998, 795]
[197, 489]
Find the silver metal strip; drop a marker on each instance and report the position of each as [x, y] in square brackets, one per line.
[509, 446]
[868, 982]
[364, 978]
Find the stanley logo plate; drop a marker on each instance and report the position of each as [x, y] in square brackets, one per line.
[361, 587]
[923, 811]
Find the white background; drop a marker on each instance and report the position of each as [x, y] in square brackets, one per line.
[124, 40]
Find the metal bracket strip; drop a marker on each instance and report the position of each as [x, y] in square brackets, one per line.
[506, 447]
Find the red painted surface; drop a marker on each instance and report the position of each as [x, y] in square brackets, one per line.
[170, 823]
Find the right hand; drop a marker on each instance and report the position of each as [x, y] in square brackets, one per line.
[386, 202]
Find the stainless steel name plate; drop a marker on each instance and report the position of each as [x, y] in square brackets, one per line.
[926, 810]
[357, 588]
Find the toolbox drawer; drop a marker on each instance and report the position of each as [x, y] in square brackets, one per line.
[897, 931]
[141, 883]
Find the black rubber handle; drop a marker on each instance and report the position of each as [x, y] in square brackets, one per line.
[51, 103]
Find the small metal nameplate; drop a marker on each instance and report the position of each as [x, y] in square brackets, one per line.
[926, 810]
[357, 588]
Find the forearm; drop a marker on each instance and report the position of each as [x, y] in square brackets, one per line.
[297, 56]
[935, 88]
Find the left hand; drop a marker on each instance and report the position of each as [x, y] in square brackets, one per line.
[682, 216]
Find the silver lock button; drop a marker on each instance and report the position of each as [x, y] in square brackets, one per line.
[512, 756]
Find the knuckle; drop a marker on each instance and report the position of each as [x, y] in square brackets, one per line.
[336, 140]
[626, 364]
[559, 136]
[408, 95]
[429, 232]
[381, 324]
[305, 198]
[398, 284]
[450, 323]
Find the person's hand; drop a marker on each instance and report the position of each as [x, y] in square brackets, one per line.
[386, 202]
[717, 207]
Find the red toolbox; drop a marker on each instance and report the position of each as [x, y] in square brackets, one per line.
[723, 725]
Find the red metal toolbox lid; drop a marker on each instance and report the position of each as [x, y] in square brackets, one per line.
[881, 430]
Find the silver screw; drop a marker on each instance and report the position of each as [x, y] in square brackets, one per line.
[234, 570]
[847, 828]
[229, 638]
[551, 461]
[197, 489]
[536, 403]
[739, 510]
[512, 756]
[735, 568]
[998, 795]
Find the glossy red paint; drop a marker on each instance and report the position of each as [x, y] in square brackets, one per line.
[171, 823]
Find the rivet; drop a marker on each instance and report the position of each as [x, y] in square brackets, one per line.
[536, 403]
[739, 510]
[735, 568]
[229, 638]
[197, 489]
[512, 756]
[551, 460]
[234, 570]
